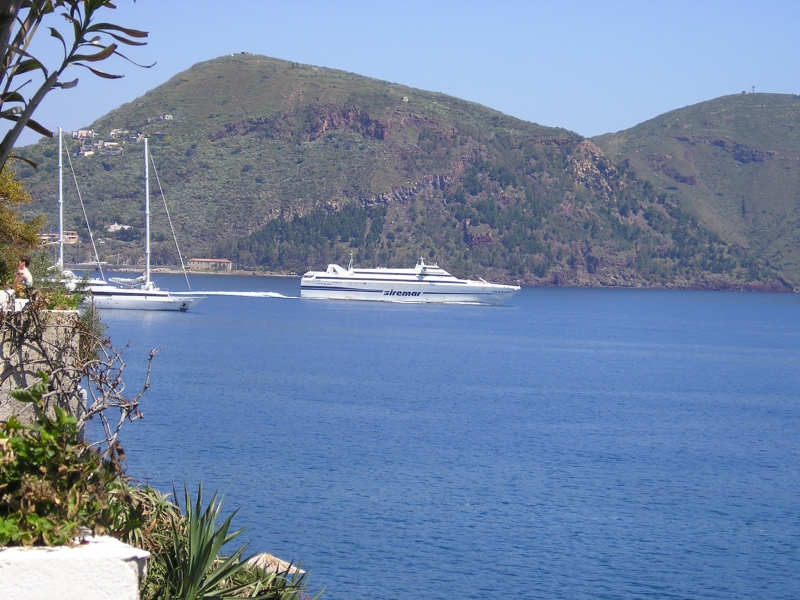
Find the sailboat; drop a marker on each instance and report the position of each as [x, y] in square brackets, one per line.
[141, 293]
[67, 277]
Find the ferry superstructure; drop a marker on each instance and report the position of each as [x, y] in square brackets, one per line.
[424, 283]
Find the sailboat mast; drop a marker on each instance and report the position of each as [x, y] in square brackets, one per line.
[146, 215]
[60, 203]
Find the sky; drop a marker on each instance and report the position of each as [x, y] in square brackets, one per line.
[589, 66]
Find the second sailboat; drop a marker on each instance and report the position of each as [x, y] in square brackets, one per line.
[141, 293]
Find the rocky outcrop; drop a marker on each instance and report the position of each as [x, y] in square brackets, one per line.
[322, 119]
[739, 152]
[310, 122]
[477, 235]
[592, 169]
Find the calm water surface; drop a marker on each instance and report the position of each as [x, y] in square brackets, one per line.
[574, 444]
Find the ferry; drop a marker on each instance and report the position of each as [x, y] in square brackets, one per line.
[424, 283]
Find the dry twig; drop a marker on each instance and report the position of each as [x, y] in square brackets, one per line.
[83, 367]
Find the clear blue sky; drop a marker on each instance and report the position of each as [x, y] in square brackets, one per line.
[588, 66]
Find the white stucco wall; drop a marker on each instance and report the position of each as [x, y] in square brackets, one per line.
[103, 568]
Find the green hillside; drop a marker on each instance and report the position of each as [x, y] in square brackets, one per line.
[281, 167]
[734, 163]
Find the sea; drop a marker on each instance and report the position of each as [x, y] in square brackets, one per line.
[574, 443]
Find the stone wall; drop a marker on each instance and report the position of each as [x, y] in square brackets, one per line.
[36, 340]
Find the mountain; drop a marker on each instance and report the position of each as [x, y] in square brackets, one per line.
[281, 167]
[733, 162]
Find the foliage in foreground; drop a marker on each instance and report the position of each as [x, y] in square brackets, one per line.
[56, 487]
[83, 40]
[50, 283]
[185, 552]
[17, 236]
[53, 485]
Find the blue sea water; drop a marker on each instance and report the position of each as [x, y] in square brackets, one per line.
[576, 443]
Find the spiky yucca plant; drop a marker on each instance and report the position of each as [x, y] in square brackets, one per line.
[185, 551]
[193, 569]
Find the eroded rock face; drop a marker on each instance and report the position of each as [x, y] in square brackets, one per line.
[323, 119]
[310, 122]
[478, 235]
[593, 170]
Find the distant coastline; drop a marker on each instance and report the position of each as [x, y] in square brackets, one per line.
[687, 200]
[782, 286]
[173, 270]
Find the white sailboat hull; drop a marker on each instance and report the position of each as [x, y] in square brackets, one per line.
[140, 293]
[137, 299]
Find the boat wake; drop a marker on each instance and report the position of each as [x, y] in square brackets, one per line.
[244, 294]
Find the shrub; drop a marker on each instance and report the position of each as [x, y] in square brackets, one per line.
[53, 485]
[185, 548]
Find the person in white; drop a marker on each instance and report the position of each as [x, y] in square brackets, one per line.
[22, 282]
[23, 279]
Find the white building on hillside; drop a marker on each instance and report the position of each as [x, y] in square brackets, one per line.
[210, 264]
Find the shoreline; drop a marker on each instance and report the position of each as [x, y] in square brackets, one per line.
[716, 286]
[176, 270]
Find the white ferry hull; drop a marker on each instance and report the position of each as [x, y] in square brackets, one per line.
[431, 286]
[416, 295]
[422, 284]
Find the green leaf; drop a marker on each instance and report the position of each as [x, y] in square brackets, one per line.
[23, 396]
[123, 40]
[105, 27]
[12, 97]
[27, 161]
[9, 528]
[98, 56]
[99, 73]
[67, 84]
[25, 66]
[55, 33]
[31, 124]
[18, 50]
[35, 392]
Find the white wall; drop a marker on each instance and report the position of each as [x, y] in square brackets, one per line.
[103, 568]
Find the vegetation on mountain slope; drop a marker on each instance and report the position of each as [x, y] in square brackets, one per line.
[282, 167]
[733, 163]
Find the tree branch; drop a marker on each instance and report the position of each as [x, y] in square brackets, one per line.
[11, 137]
[72, 355]
[16, 59]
